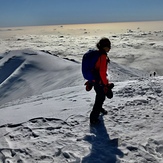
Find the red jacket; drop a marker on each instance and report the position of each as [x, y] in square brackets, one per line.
[101, 68]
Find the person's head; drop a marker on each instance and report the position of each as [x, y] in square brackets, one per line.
[104, 44]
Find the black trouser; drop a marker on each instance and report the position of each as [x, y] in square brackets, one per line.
[99, 100]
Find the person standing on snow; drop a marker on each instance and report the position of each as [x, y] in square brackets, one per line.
[101, 84]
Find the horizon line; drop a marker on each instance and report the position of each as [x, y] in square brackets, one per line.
[81, 23]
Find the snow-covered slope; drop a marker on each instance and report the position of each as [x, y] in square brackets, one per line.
[33, 72]
[44, 113]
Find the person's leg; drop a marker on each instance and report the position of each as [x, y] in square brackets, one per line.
[99, 99]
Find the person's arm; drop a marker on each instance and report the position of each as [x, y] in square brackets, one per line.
[103, 69]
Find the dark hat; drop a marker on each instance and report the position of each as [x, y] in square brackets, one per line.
[104, 42]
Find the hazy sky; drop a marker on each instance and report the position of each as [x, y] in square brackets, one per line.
[49, 12]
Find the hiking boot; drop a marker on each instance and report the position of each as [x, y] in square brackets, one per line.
[104, 112]
[94, 122]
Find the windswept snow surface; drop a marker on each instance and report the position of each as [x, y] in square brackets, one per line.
[49, 121]
[44, 108]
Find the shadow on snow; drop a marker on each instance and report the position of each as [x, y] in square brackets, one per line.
[104, 150]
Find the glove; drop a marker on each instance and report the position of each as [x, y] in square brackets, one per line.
[109, 94]
[108, 90]
[89, 86]
[111, 85]
[108, 87]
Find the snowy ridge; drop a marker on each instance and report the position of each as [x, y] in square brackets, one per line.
[48, 122]
[33, 72]
[119, 72]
